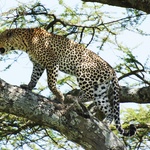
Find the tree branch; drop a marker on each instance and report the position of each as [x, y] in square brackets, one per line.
[69, 119]
[136, 95]
[143, 5]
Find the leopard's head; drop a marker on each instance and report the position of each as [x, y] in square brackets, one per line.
[14, 39]
[6, 42]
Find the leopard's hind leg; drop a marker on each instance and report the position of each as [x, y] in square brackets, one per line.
[102, 100]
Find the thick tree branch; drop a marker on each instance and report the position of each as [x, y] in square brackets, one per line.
[136, 95]
[68, 119]
[143, 5]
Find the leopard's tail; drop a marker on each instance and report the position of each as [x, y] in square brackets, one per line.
[116, 110]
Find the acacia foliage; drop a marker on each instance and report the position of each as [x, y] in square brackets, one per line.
[88, 24]
[141, 115]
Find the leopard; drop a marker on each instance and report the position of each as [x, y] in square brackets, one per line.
[53, 53]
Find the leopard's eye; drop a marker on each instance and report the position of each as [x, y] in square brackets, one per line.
[9, 34]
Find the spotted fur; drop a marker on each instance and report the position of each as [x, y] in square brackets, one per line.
[54, 53]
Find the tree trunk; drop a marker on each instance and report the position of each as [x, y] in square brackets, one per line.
[143, 5]
[68, 119]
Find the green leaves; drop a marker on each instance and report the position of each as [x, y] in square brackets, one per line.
[140, 116]
[19, 133]
[69, 80]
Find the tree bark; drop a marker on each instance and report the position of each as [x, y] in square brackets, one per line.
[68, 119]
[136, 95]
[143, 5]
